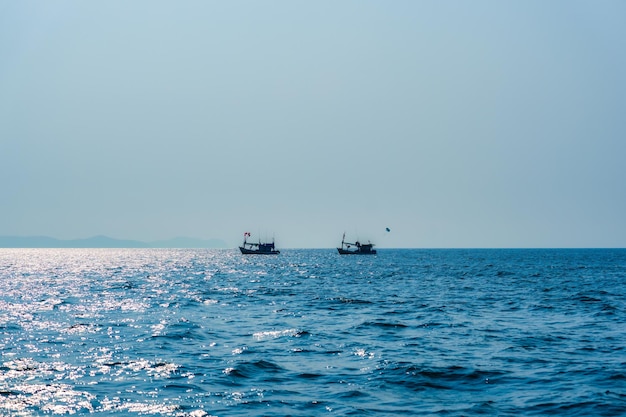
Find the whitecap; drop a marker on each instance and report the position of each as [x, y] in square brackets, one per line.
[274, 334]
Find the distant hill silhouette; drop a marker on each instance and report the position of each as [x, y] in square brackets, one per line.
[106, 242]
[188, 242]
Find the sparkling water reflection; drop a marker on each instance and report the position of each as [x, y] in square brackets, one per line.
[405, 332]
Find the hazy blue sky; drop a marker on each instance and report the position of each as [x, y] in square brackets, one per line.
[454, 123]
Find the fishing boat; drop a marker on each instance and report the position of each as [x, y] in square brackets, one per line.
[257, 248]
[360, 248]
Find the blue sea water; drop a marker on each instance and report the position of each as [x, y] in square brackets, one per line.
[142, 332]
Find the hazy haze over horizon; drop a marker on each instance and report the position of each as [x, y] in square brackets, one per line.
[455, 124]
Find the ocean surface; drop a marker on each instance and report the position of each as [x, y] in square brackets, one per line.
[160, 332]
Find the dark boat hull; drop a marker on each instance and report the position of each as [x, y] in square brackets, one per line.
[245, 251]
[355, 252]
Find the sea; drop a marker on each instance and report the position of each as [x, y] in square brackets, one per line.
[407, 332]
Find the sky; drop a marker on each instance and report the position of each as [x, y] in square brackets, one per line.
[481, 124]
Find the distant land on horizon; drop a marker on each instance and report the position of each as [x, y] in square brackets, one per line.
[107, 242]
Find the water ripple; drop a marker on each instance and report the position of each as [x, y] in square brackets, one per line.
[407, 332]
